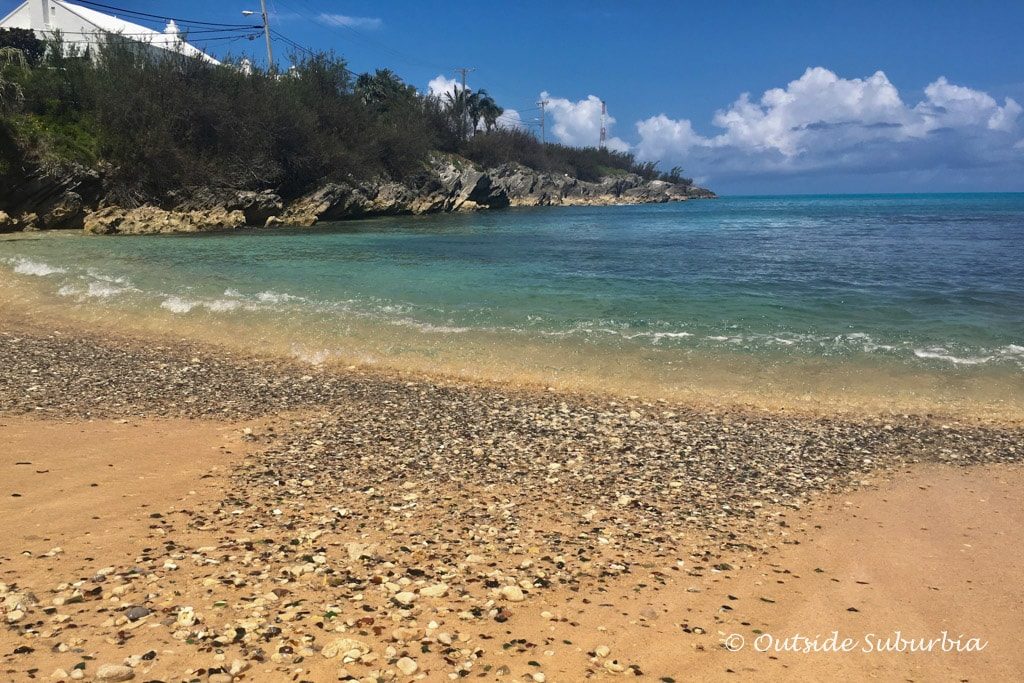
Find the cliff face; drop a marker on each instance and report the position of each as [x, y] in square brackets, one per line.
[74, 199]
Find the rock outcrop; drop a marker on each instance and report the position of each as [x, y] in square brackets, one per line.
[446, 186]
[148, 220]
[74, 199]
[257, 207]
[48, 198]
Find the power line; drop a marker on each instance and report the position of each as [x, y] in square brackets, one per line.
[398, 54]
[297, 46]
[155, 33]
[177, 20]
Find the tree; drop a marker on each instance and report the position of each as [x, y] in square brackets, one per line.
[483, 107]
[457, 103]
[11, 94]
[382, 89]
[23, 39]
[476, 106]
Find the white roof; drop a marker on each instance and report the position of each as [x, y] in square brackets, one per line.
[169, 39]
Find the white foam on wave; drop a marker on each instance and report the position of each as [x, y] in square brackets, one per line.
[24, 266]
[313, 357]
[940, 353]
[96, 285]
[435, 329]
[222, 305]
[272, 297]
[176, 304]
[656, 337]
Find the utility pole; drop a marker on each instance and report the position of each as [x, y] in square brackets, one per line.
[464, 124]
[266, 34]
[603, 142]
[543, 120]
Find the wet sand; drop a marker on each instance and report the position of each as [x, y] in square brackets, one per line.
[257, 520]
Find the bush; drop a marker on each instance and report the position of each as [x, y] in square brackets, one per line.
[25, 40]
[504, 145]
[168, 124]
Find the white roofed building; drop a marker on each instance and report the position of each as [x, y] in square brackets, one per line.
[83, 27]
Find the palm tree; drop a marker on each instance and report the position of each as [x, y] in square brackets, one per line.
[455, 103]
[382, 87]
[484, 107]
[476, 106]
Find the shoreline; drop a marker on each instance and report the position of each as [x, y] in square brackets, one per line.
[354, 522]
[809, 387]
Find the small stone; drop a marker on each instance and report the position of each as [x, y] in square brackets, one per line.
[407, 666]
[405, 597]
[602, 651]
[512, 593]
[137, 612]
[14, 616]
[114, 672]
[438, 590]
[186, 617]
[614, 666]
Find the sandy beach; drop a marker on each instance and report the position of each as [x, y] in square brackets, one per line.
[178, 512]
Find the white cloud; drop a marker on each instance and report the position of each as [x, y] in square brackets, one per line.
[441, 85]
[371, 23]
[821, 121]
[510, 118]
[579, 123]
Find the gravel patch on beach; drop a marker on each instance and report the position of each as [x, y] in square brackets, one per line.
[385, 522]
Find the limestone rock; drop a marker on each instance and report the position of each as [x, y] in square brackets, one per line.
[152, 220]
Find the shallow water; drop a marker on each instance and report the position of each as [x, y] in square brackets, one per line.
[896, 297]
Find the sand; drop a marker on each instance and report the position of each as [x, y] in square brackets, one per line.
[931, 549]
[175, 512]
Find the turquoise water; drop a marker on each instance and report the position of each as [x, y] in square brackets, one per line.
[914, 282]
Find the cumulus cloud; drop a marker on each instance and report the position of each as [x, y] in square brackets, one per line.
[441, 85]
[579, 123]
[510, 118]
[351, 22]
[821, 121]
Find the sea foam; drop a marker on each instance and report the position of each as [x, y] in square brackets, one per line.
[24, 266]
[939, 353]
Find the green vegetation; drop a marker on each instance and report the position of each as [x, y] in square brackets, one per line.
[166, 124]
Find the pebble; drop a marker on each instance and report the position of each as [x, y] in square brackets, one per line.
[447, 487]
[407, 666]
[438, 590]
[512, 593]
[137, 612]
[114, 672]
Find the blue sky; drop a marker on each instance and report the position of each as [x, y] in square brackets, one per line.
[840, 97]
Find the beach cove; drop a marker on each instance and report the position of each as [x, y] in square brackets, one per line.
[408, 451]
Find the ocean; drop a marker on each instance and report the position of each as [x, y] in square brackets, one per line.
[888, 301]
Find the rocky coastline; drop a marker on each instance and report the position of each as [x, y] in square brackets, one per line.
[74, 198]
